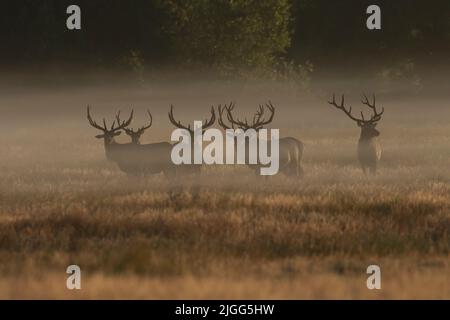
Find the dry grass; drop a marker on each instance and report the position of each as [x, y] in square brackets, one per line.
[227, 234]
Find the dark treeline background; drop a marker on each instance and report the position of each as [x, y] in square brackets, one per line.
[230, 37]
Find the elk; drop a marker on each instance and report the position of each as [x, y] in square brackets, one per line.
[116, 152]
[192, 168]
[290, 149]
[369, 150]
[135, 135]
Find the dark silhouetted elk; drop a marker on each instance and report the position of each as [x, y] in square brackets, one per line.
[117, 152]
[290, 149]
[369, 150]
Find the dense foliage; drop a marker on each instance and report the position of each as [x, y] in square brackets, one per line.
[230, 36]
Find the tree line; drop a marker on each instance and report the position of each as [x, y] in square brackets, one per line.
[230, 36]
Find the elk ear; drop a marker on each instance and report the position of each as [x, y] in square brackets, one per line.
[359, 124]
[100, 136]
[117, 133]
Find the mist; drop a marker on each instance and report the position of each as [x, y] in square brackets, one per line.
[222, 231]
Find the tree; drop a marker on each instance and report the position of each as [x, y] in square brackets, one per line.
[231, 36]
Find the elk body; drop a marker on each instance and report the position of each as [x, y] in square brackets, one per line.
[134, 158]
[290, 149]
[150, 158]
[368, 150]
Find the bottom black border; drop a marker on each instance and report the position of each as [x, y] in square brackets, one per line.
[167, 309]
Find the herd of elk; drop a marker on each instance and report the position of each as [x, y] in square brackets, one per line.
[135, 158]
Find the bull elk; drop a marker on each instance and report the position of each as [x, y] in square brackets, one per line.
[114, 151]
[369, 150]
[290, 149]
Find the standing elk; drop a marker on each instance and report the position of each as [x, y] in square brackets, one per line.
[114, 151]
[290, 149]
[369, 150]
[192, 168]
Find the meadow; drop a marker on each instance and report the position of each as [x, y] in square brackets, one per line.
[228, 233]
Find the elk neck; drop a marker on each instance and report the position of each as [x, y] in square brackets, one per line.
[367, 135]
[110, 145]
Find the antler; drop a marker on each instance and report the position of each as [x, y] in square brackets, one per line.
[105, 127]
[347, 112]
[140, 130]
[122, 124]
[257, 122]
[242, 125]
[178, 124]
[228, 108]
[93, 123]
[376, 116]
[206, 124]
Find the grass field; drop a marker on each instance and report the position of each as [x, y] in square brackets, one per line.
[227, 234]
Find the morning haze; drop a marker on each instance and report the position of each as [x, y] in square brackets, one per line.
[223, 231]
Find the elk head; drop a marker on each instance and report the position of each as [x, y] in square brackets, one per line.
[136, 134]
[368, 129]
[111, 132]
